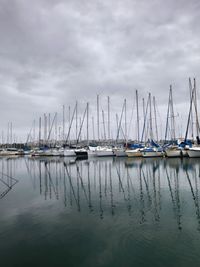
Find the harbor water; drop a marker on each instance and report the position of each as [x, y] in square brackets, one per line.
[99, 212]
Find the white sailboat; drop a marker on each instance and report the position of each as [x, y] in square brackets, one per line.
[104, 151]
[92, 151]
[69, 152]
[194, 152]
[120, 152]
[173, 152]
[150, 152]
[134, 153]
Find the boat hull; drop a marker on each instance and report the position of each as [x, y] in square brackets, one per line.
[69, 153]
[81, 153]
[193, 153]
[120, 153]
[92, 153]
[152, 154]
[105, 153]
[133, 153]
[173, 153]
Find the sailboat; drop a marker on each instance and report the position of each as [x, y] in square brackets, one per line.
[134, 150]
[153, 150]
[104, 151]
[193, 152]
[172, 150]
[120, 150]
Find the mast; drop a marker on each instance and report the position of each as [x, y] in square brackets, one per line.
[39, 134]
[108, 118]
[11, 134]
[63, 134]
[138, 123]
[117, 121]
[34, 132]
[56, 126]
[196, 110]
[191, 121]
[69, 121]
[167, 121]
[190, 109]
[8, 137]
[76, 120]
[150, 118]
[98, 117]
[81, 124]
[104, 128]
[44, 141]
[145, 119]
[119, 124]
[49, 127]
[172, 116]
[155, 117]
[70, 125]
[143, 105]
[125, 121]
[87, 123]
[93, 128]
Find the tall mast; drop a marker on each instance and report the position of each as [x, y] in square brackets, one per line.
[98, 117]
[167, 121]
[34, 132]
[11, 134]
[44, 138]
[70, 123]
[196, 110]
[143, 105]
[155, 117]
[172, 115]
[81, 124]
[59, 134]
[120, 121]
[39, 135]
[56, 125]
[8, 137]
[145, 119]
[108, 118]
[49, 128]
[117, 121]
[76, 120]
[150, 117]
[125, 120]
[189, 115]
[69, 120]
[63, 137]
[191, 121]
[93, 128]
[79, 138]
[88, 123]
[104, 128]
[138, 123]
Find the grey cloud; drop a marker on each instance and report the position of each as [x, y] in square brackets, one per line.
[56, 52]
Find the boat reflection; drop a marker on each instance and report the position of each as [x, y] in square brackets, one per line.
[145, 188]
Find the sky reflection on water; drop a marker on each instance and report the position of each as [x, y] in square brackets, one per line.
[101, 210]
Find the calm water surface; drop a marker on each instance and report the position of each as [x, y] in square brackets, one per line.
[99, 212]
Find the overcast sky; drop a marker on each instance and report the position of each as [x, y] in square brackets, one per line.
[54, 52]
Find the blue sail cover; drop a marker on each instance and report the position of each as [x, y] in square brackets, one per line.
[185, 143]
[152, 143]
[134, 146]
